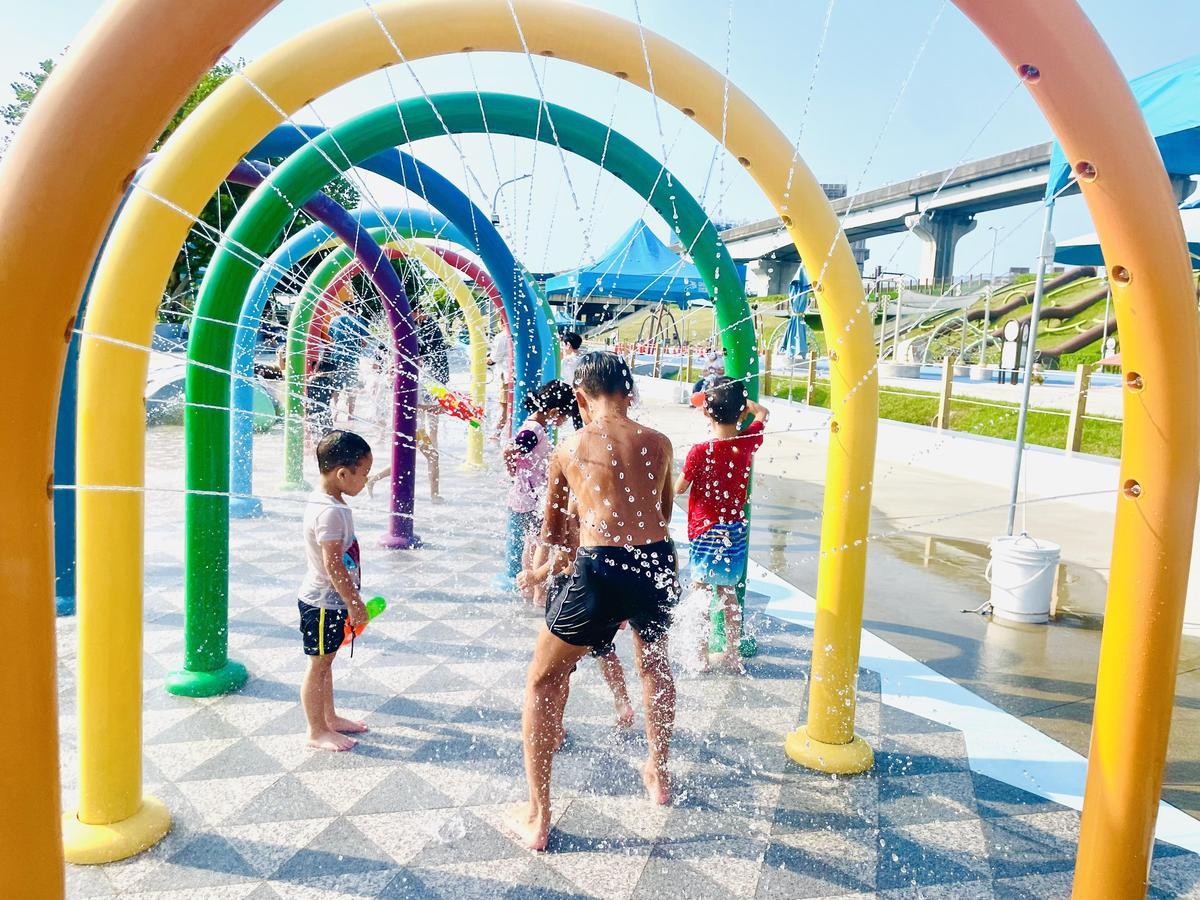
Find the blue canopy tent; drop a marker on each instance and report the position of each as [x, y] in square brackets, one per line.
[637, 267]
[1170, 101]
[795, 336]
[1085, 250]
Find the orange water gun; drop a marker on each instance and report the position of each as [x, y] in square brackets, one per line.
[457, 405]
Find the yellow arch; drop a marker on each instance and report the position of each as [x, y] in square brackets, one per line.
[145, 241]
[1087, 102]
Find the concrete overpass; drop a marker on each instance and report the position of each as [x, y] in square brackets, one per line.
[937, 217]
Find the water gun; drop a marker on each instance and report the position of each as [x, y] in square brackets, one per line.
[457, 405]
[375, 606]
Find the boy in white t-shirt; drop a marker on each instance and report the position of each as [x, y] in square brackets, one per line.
[329, 594]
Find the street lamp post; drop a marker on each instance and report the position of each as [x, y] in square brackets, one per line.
[499, 188]
[987, 300]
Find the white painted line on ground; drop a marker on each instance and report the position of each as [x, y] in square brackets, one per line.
[999, 745]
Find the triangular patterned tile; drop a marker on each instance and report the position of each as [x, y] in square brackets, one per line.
[441, 680]
[403, 789]
[342, 792]
[218, 799]
[267, 845]
[340, 849]
[264, 892]
[205, 860]
[404, 834]
[177, 759]
[210, 892]
[248, 715]
[474, 625]
[356, 886]
[288, 750]
[736, 874]
[285, 800]
[634, 813]
[457, 782]
[243, 759]
[202, 725]
[396, 679]
[600, 874]
[156, 721]
[493, 878]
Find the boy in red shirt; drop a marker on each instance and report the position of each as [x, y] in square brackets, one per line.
[719, 470]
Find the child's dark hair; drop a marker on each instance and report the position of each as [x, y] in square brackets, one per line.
[725, 400]
[554, 396]
[340, 448]
[603, 374]
[572, 340]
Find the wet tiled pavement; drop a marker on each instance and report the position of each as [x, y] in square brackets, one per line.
[414, 810]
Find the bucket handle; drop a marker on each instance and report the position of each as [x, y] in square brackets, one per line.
[987, 576]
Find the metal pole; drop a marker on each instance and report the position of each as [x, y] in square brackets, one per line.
[896, 329]
[992, 265]
[1047, 254]
[1104, 335]
[987, 326]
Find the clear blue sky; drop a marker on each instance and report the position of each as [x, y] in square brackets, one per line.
[958, 85]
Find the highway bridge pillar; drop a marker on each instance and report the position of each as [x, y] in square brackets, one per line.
[939, 230]
[767, 276]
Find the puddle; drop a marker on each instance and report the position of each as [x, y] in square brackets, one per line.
[1080, 590]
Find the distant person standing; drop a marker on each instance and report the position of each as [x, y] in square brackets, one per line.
[433, 360]
[569, 362]
[347, 340]
[500, 358]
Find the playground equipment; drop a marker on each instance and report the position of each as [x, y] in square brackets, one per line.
[293, 251]
[207, 670]
[1083, 95]
[336, 270]
[537, 351]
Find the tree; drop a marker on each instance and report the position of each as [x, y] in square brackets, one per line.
[24, 90]
[197, 251]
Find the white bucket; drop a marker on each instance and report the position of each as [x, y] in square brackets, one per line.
[1021, 573]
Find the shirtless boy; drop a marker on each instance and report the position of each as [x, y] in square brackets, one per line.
[619, 473]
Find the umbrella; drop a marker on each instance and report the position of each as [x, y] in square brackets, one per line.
[795, 338]
[1085, 250]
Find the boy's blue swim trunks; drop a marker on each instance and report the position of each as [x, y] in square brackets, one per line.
[718, 556]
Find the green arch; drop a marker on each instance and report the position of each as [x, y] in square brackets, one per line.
[271, 206]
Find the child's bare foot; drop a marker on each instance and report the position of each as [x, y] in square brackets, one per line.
[347, 726]
[531, 829]
[658, 784]
[624, 714]
[437, 498]
[331, 740]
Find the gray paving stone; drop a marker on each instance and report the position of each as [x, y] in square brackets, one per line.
[415, 809]
[341, 849]
[933, 797]
[819, 863]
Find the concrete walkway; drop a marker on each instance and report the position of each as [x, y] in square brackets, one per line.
[414, 810]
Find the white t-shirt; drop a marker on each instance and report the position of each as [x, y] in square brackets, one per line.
[567, 365]
[327, 519]
[501, 353]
